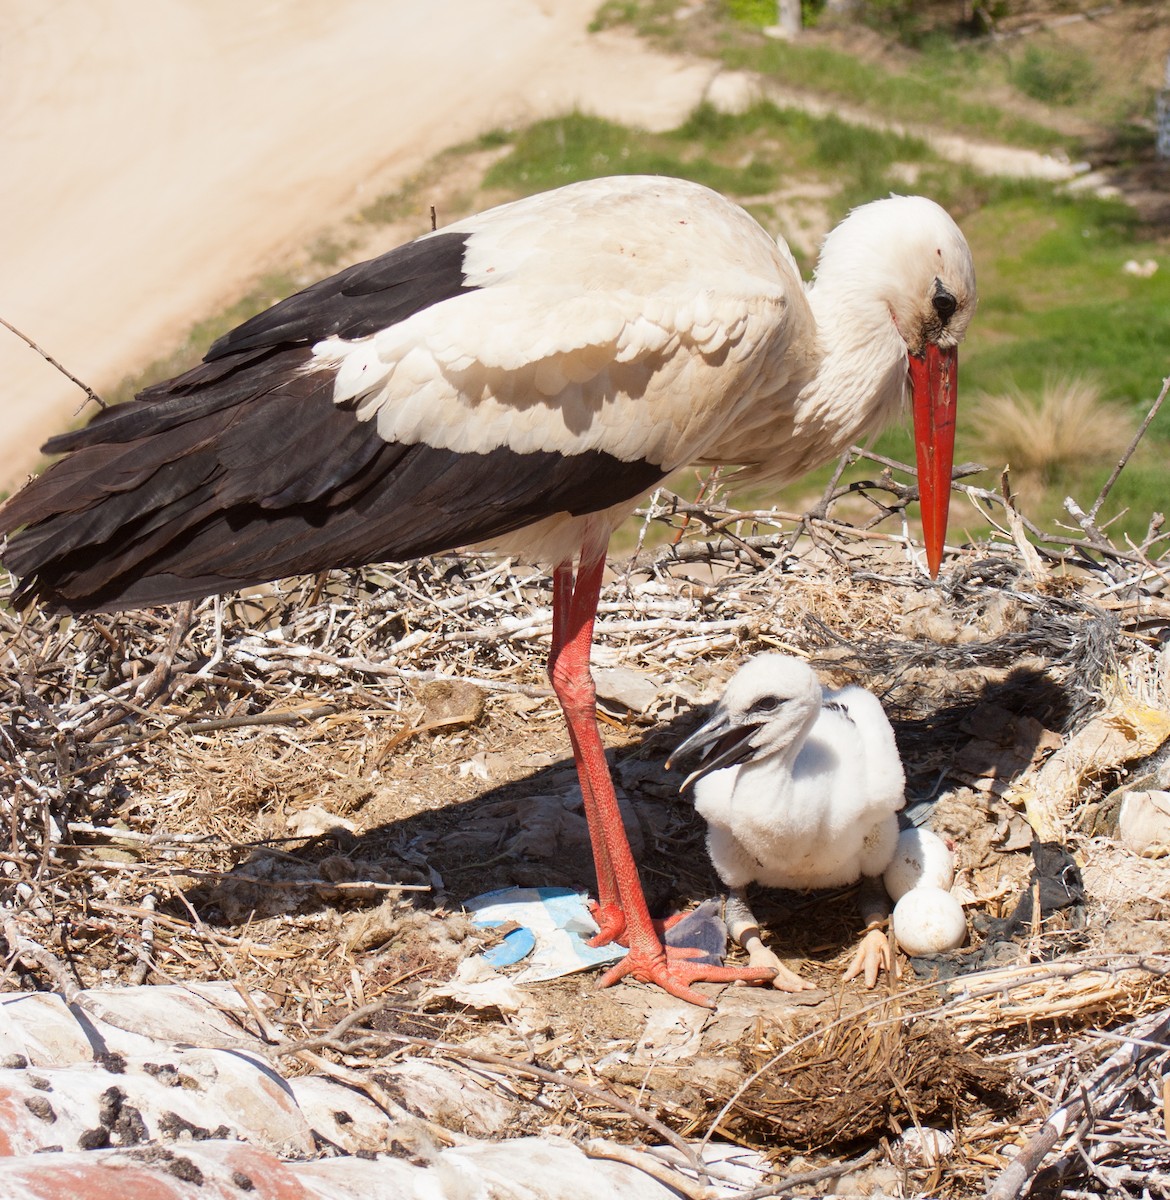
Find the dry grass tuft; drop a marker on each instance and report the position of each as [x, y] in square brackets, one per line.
[1041, 438]
[860, 1079]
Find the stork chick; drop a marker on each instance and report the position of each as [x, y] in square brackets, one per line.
[800, 788]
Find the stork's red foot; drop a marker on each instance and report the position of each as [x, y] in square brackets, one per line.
[674, 971]
[611, 924]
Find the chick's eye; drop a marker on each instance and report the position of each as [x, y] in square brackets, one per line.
[765, 704]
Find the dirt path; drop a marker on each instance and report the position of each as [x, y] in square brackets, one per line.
[158, 157]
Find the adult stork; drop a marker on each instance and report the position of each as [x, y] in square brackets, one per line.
[518, 379]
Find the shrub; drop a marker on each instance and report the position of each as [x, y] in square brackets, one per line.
[1054, 74]
[1065, 430]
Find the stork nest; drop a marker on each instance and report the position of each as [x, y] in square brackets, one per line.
[242, 786]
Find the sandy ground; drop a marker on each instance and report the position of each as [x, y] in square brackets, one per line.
[157, 157]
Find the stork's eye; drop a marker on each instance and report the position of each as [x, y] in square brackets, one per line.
[944, 303]
[766, 704]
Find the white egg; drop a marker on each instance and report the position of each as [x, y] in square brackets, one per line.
[929, 920]
[921, 859]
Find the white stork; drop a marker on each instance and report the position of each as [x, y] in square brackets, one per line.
[518, 379]
[800, 788]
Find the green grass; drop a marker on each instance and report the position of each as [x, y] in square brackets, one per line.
[648, 18]
[1054, 74]
[936, 96]
[933, 85]
[1056, 300]
[752, 12]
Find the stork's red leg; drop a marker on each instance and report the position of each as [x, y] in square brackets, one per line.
[608, 913]
[623, 904]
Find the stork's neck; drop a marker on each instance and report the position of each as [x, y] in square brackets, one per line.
[860, 384]
[765, 791]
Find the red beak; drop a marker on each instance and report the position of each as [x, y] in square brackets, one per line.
[934, 380]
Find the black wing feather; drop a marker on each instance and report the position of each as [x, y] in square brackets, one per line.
[360, 300]
[244, 469]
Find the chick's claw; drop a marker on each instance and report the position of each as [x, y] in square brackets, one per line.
[873, 955]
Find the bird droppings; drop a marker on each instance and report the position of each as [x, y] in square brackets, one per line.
[268, 710]
[177, 1165]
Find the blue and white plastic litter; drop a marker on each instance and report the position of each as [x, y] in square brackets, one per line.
[554, 925]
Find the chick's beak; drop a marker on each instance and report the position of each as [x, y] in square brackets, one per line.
[934, 382]
[723, 743]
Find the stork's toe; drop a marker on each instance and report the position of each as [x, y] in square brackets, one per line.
[611, 924]
[674, 971]
[783, 980]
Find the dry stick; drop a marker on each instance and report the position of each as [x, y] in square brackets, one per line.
[975, 494]
[301, 658]
[33, 954]
[1098, 541]
[709, 518]
[155, 683]
[146, 947]
[1124, 1063]
[641, 1161]
[819, 1175]
[712, 478]
[1107, 486]
[829, 494]
[820, 512]
[54, 363]
[346, 887]
[554, 1077]
[777, 1187]
[717, 519]
[292, 717]
[369, 1085]
[202, 842]
[156, 680]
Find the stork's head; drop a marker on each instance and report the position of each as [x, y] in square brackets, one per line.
[908, 254]
[768, 707]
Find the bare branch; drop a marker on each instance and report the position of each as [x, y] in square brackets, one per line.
[90, 393]
[1107, 486]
